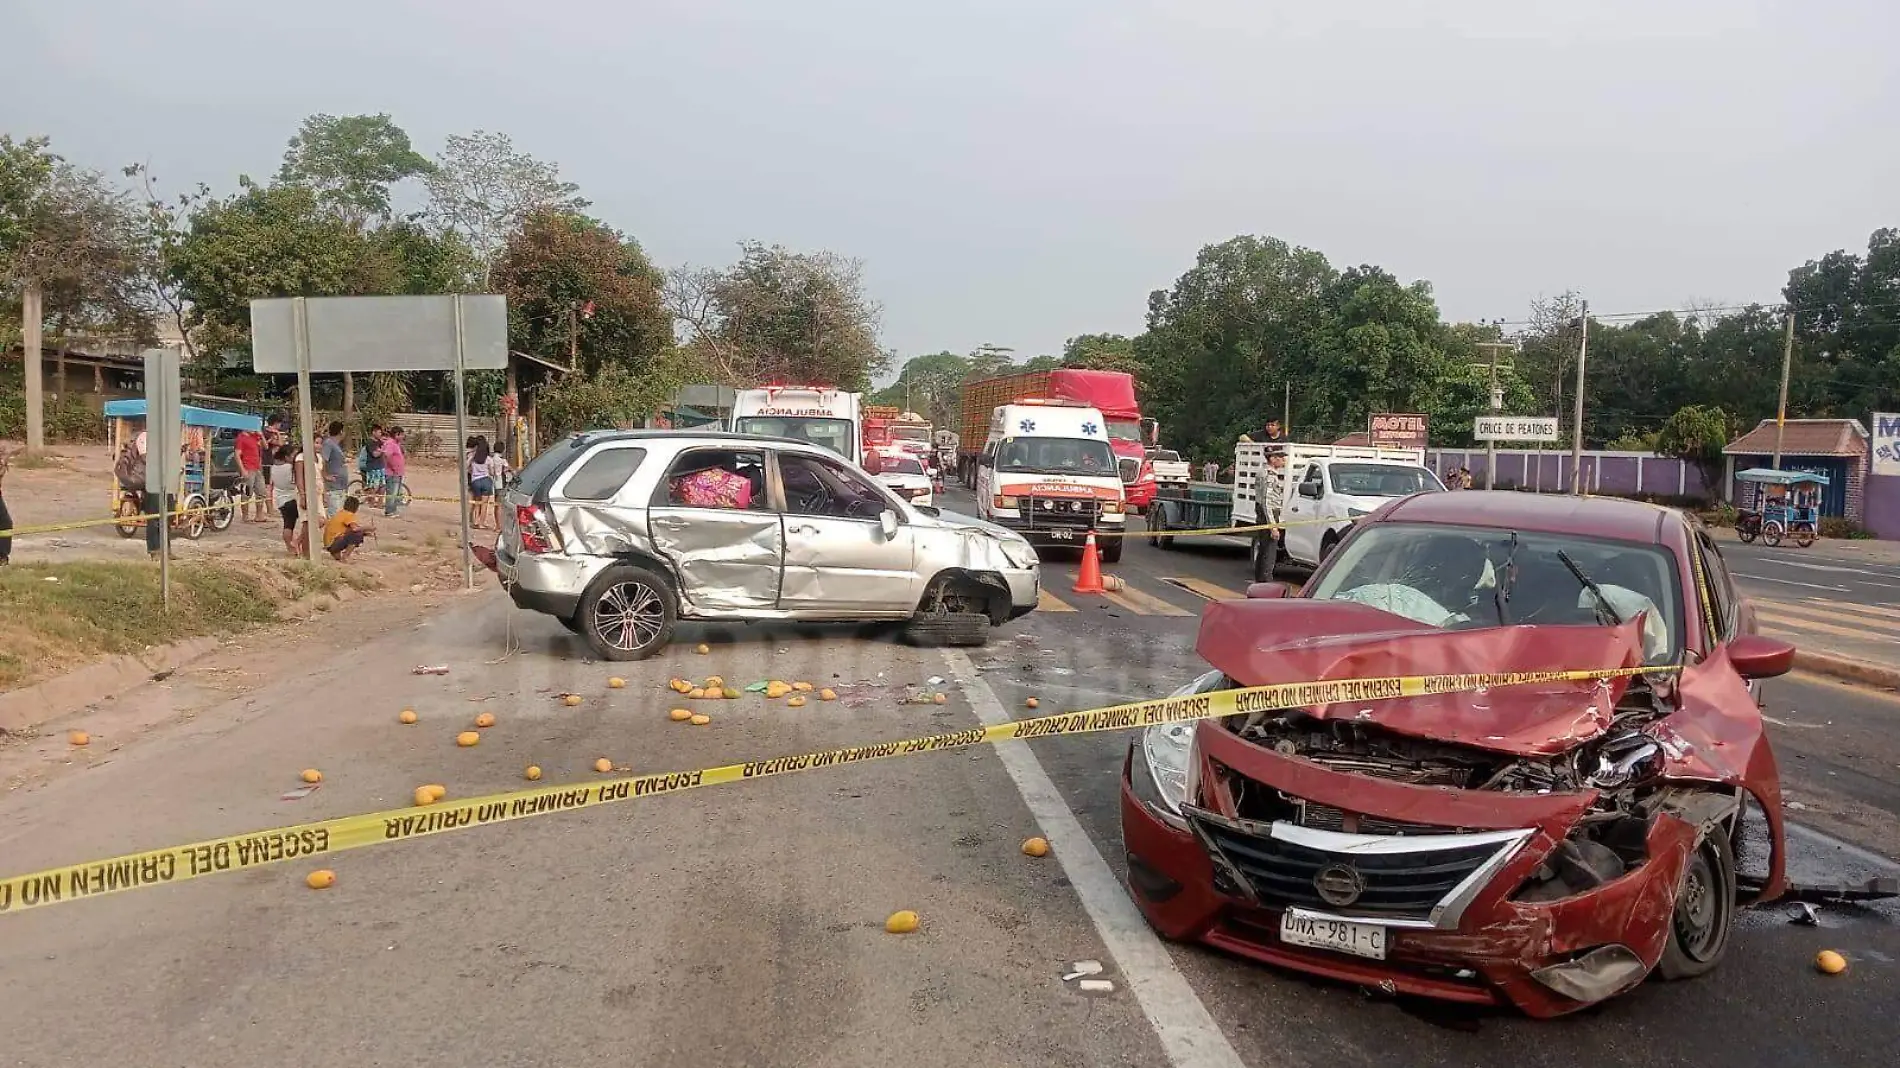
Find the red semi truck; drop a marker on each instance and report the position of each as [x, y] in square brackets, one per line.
[1112, 392]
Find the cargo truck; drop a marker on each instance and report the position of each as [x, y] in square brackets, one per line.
[1110, 392]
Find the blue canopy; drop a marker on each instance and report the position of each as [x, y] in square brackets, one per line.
[134, 408]
[1771, 477]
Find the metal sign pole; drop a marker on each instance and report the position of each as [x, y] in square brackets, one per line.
[461, 438]
[306, 435]
[162, 420]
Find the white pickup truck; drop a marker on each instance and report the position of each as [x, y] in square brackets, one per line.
[1330, 486]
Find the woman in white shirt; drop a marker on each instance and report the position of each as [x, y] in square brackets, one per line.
[286, 489]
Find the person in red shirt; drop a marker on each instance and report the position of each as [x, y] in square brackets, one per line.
[250, 459]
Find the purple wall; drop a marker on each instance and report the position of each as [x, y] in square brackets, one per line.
[1620, 473]
[1883, 506]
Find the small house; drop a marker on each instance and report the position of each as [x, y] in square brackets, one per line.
[1836, 448]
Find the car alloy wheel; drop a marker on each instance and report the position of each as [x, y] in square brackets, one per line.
[630, 616]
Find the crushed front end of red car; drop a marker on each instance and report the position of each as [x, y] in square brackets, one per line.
[1533, 845]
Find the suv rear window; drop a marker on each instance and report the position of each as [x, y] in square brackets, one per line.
[546, 464]
[603, 474]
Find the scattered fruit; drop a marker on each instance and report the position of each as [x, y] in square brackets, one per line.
[424, 796]
[827, 694]
[532, 774]
[603, 765]
[802, 687]
[468, 738]
[679, 715]
[1036, 847]
[312, 775]
[486, 719]
[408, 715]
[938, 699]
[1830, 962]
[79, 738]
[1032, 703]
[437, 791]
[321, 879]
[696, 693]
[571, 700]
[796, 702]
[902, 922]
[703, 649]
[677, 685]
[776, 689]
[616, 683]
[714, 682]
[729, 694]
[701, 720]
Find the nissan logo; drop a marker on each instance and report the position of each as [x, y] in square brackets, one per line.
[1339, 885]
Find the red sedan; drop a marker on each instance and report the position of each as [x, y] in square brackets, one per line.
[1547, 846]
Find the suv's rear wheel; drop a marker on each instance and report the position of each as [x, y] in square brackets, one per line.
[628, 613]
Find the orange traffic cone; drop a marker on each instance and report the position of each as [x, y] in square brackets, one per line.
[1090, 578]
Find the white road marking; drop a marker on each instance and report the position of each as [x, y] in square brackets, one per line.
[1861, 853]
[1791, 582]
[1189, 1036]
[1766, 718]
[1828, 567]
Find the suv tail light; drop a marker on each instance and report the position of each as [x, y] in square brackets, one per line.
[1147, 472]
[536, 535]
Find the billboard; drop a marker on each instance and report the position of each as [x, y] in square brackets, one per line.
[380, 333]
[1886, 443]
[1395, 431]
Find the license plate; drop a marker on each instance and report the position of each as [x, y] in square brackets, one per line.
[1343, 936]
[1062, 535]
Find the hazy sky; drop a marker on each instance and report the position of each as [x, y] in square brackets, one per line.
[1019, 172]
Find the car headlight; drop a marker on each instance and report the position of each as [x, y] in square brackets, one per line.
[1111, 507]
[1167, 755]
[1004, 502]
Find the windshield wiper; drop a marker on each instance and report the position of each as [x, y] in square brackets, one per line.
[1603, 602]
[1501, 588]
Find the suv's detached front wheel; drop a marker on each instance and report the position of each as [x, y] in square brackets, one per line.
[628, 613]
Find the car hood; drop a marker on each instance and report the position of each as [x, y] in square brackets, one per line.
[1264, 641]
[968, 524]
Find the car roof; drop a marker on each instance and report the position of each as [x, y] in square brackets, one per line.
[1545, 513]
[699, 437]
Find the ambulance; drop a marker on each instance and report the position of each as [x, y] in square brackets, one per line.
[1047, 472]
[821, 415]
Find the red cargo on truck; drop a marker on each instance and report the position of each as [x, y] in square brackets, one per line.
[1110, 392]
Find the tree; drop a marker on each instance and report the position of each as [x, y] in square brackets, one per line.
[351, 162]
[1101, 352]
[1697, 434]
[68, 247]
[265, 241]
[482, 190]
[782, 315]
[576, 284]
[930, 385]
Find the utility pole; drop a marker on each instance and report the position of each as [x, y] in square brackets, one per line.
[1286, 411]
[1576, 419]
[1497, 405]
[32, 320]
[1781, 403]
[573, 336]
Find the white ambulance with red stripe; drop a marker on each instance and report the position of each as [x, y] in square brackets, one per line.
[1047, 472]
[820, 415]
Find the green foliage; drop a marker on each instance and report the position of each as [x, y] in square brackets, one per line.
[1696, 434]
[782, 315]
[69, 419]
[931, 386]
[1099, 352]
[76, 236]
[572, 280]
[351, 162]
[611, 396]
[482, 190]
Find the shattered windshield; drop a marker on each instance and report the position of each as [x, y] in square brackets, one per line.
[1448, 577]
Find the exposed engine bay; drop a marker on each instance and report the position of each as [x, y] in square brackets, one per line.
[1624, 764]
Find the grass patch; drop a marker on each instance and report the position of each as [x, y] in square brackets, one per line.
[104, 608]
[42, 462]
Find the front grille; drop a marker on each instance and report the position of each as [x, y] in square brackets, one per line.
[1130, 469]
[1067, 513]
[1327, 818]
[1404, 884]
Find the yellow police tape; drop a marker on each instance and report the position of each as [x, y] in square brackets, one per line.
[112, 521]
[176, 864]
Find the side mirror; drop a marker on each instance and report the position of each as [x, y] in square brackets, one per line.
[887, 519]
[1756, 656]
[1310, 489]
[1268, 591]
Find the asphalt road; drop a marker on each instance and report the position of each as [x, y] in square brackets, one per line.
[741, 925]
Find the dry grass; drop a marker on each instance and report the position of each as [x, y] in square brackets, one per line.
[56, 617]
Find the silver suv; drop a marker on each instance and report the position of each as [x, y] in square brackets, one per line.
[614, 534]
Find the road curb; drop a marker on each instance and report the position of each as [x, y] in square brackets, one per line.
[1848, 669]
[43, 702]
